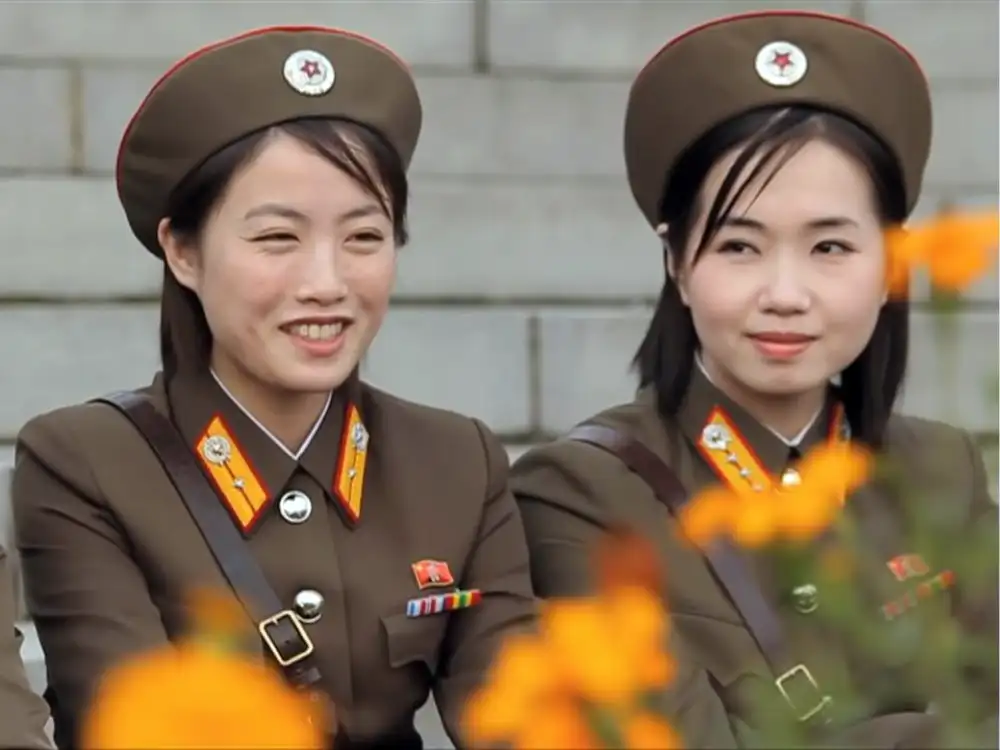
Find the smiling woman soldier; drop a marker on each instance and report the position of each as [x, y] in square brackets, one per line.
[769, 151]
[373, 542]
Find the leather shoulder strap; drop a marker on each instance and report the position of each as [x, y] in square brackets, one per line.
[280, 628]
[728, 565]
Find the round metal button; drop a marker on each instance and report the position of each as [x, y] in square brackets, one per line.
[790, 478]
[805, 598]
[309, 605]
[295, 507]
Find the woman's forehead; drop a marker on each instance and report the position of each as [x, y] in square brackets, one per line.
[288, 172]
[813, 176]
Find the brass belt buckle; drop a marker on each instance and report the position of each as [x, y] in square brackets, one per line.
[822, 702]
[264, 628]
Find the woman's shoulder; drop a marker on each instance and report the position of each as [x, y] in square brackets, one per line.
[572, 465]
[433, 423]
[913, 440]
[70, 440]
[430, 435]
[82, 422]
[934, 455]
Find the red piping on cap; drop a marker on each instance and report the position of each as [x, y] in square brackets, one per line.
[222, 43]
[768, 13]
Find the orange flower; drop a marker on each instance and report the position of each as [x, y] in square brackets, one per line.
[709, 514]
[198, 694]
[622, 635]
[956, 249]
[962, 249]
[798, 513]
[904, 251]
[557, 723]
[521, 678]
[829, 473]
[756, 520]
[607, 652]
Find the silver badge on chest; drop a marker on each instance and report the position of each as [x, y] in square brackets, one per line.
[295, 507]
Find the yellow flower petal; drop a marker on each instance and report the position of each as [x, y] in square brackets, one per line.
[757, 522]
[191, 696]
[709, 514]
[904, 252]
[558, 723]
[583, 627]
[832, 468]
[961, 248]
[520, 677]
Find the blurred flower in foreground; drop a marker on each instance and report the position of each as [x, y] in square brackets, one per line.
[955, 248]
[582, 681]
[207, 692]
[798, 513]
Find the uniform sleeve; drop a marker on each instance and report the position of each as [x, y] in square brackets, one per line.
[565, 492]
[499, 568]
[23, 714]
[84, 590]
[978, 609]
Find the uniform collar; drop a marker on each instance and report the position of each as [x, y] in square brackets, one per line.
[702, 400]
[794, 442]
[295, 456]
[257, 464]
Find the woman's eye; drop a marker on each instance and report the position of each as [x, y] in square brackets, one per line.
[276, 237]
[738, 248]
[833, 248]
[368, 237]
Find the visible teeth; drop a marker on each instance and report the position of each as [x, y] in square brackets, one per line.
[318, 332]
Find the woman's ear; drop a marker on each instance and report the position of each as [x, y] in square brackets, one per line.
[181, 257]
[671, 266]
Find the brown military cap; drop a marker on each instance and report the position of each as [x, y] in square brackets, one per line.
[232, 88]
[740, 63]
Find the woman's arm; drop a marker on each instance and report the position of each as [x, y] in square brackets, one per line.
[88, 598]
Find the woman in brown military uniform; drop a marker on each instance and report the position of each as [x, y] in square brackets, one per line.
[769, 152]
[373, 541]
[23, 714]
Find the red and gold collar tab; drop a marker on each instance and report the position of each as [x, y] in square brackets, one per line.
[249, 470]
[242, 489]
[733, 459]
[349, 478]
[235, 479]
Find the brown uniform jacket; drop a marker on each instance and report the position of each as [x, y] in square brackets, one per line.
[23, 714]
[109, 549]
[568, 491]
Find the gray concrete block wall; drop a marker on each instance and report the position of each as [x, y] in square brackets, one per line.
[530, 274]
[530, 271]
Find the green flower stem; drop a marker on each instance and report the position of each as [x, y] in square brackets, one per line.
[605, 726]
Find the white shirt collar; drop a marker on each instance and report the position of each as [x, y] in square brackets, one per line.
[305, 443]
[791, 443]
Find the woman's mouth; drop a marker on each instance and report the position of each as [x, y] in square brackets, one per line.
[318, 338]
[781, 345]
[316, 331]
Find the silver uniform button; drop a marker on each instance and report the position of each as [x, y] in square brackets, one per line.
[791, 478]
[295, 507]
[309, 605]
[805, 598]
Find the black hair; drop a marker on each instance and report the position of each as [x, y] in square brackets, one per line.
[665, 358]
[359, 151]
